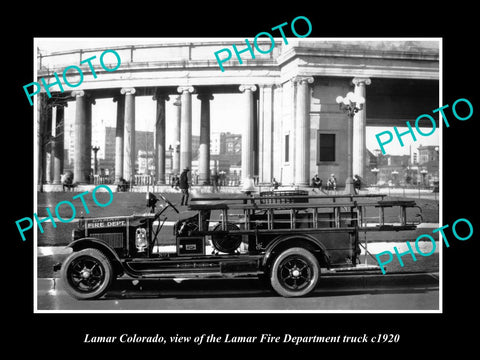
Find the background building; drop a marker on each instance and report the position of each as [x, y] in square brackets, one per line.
[428, 163]
[421, 167]
[285, 100]
[226, 151]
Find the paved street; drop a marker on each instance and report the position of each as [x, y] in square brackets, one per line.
[336, 292]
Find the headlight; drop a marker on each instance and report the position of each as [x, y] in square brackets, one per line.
[141, 241]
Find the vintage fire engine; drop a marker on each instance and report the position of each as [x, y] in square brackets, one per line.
[288, 239]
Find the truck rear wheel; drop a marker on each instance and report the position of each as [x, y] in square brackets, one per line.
[87, 274]
[295, 272]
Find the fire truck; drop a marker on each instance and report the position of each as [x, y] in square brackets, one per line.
[285, 238]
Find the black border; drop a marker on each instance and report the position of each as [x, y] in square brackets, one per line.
[420, 333]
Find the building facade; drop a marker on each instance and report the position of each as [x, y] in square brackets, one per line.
[428, 164]
[292, 126]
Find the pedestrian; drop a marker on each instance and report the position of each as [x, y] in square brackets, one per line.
[274, 184]
[357, 183]
[332, 182]
[175, 181]
[316, 183]
[221, 178]
[183, 184]
[215, 182]
[67, 180]
[123, 185]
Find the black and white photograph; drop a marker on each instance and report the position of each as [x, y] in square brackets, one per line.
[170, 182]
[210, 183]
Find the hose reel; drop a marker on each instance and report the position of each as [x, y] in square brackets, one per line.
[225, 242]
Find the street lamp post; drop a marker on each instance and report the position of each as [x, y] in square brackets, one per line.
[408, 175]
[95, 163]
[436, 178]
[375, 172]
[424, 173]
[350, 104]
[394, 174]
[176, 158]
[170, 151]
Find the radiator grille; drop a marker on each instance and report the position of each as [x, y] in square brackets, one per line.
[115, 240]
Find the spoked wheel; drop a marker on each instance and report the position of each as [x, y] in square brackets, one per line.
[295, 272]
[87, 274]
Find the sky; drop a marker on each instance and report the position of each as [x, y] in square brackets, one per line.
[223, 109]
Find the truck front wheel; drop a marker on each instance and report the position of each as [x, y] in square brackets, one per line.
[87, 274]
[295, 272]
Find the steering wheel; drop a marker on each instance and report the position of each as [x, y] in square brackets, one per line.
[169, 203]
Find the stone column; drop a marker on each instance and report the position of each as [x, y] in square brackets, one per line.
[129, 135]
[48, 163]
[248, 135]
[88, 138]
[204, 150]
[265, 134]
[186, 128]
[95, 159]
[80, 126]
[302, 131]
[359, 129]
[51, 119]
[349, 189]
[160, 138]
[119, 131]
[255, 138]
[41, 119]
[57, 142]
[176, 137]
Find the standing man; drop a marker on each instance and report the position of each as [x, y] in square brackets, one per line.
[184, 186]
[357, 183]
[215, 182]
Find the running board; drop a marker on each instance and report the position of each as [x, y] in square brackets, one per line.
[198, 275]
[191, 267]
[353, 269]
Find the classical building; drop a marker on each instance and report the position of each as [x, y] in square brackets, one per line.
[394, 169]
[428, 163]
[292, 126]
[226, 151]
[225, 143]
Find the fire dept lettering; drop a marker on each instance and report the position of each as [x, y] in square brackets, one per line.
[105, 223]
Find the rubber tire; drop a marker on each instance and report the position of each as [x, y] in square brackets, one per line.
[306, 256]
[107, 268]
